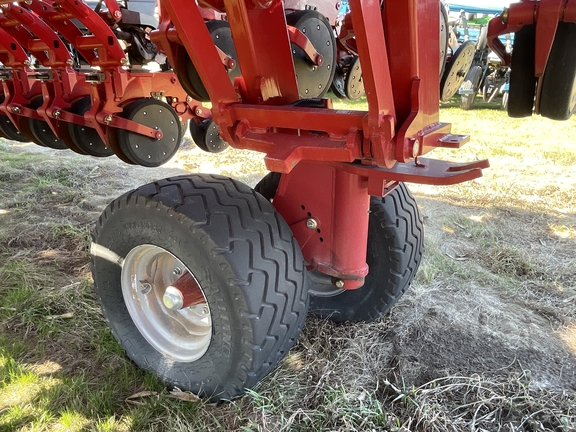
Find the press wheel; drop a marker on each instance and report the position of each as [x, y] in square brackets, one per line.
[84, 137]
[456, 70]
[143, 150]
[313, 80]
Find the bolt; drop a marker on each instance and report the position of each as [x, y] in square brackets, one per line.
[173, 298]
[416, 148]
[16, 110]
[339, 283]
[177, 271]
[57, 114]
[117, 14]
[198, 111]
[505, 15]
[145, 287]
[123, 61]
[108, 118]
[27, 63]
[205, 310]
[70, 62]
[311, 223]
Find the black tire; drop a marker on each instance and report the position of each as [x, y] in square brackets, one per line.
[244, 257]
[395, 242]
[471, 83]
[268, 185]
[522, 79]
[558, 98]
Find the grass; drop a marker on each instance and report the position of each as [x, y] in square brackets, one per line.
[484, 339]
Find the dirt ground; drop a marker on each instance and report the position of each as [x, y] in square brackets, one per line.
[492, 312]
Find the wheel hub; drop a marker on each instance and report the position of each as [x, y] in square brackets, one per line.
[149, 274]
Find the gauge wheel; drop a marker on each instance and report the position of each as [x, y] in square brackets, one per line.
[10, 131]
[144, 150]
[86, 138]
[444, 36]
[313, 81]
[395, 243]
[456, 70]
[522, 80]
[201, 282]
[471, 85]
[558, 98]
[42, 132]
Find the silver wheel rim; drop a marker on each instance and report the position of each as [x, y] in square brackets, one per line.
[182, 335]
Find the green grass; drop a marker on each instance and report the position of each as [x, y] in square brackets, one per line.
[512, 232]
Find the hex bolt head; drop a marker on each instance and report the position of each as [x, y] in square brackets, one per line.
[311, 223]
[177, 271]
[205, 310]
[16, 110]
[339, 283]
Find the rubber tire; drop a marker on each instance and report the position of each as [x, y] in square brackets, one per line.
[472, 82]
[558, 97]
[268, 186]
[245, 257]
[395, 243]
[522, 80]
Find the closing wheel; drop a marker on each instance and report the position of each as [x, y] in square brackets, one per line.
[522, 79]
[313, 80]
[143, 150]
[395, 242]
[354, 86]
[456, 70]
[84, 137]
[246, 288]
[558, 97]
[206, 136]
[42, 132]
[470, 86]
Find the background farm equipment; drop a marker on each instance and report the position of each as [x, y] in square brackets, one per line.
[486, 75]
[202, 279]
